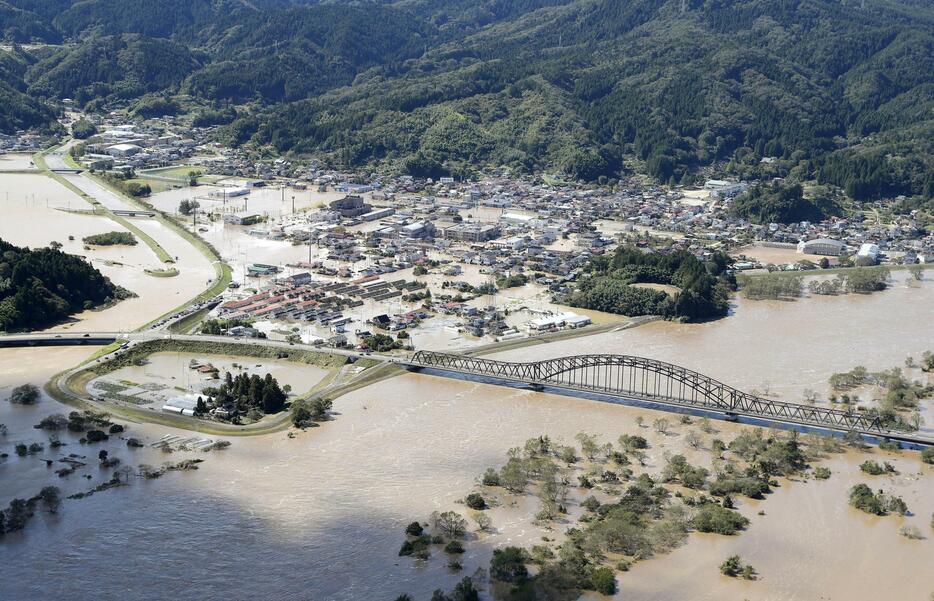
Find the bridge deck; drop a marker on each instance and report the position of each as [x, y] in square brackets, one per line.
[663, 384]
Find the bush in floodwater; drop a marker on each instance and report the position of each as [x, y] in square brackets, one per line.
[27, 394]
[862, 498]
[414, 529]
[475, 501]
[733, 566]
[874, 469]
[927, 455]
[96, 436]
[603, 581]
[490, 477]
[454, 547]
[719, 520]
[53, 422]
[911, 532]
[416, 548]
[821, 473]
[754, 488]
[508, 565]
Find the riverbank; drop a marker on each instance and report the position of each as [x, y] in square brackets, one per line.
[549, 337]
[223, 275]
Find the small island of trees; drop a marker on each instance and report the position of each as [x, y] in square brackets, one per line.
[111, 239]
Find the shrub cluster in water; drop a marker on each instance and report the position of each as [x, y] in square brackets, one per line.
[111, 239]
[879, 503]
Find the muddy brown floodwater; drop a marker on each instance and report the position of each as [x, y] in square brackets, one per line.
[321, 516]
[34, 213]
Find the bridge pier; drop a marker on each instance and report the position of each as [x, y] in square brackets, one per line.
[639, 381]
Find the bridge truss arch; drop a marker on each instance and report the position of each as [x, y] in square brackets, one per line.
[644, 379]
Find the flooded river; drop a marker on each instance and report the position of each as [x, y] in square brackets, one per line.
[321, 516]
[34, 209]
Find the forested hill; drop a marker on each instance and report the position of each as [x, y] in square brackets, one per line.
[841, 91]
[43, 286]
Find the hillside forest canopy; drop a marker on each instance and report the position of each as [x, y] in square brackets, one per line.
[44, 286]
[833, 91]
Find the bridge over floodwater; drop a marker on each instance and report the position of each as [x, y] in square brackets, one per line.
[663, 385]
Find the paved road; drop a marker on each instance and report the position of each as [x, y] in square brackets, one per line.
[105, 338]
[55, 160]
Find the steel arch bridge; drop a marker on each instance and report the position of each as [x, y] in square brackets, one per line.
[654, 381]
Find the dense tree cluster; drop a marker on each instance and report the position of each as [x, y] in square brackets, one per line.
[381, 343]
[879, 503]
[83, 129]
[246, 392]
[43, 286]
[111, 239]
[704, 286]
[778, 203]
[25, 394]
[18, 513]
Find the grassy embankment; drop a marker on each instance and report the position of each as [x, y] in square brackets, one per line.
[222, 271]
[509, 345]
[162, 273]
[161, 254]
[189, 323]
[71, 389]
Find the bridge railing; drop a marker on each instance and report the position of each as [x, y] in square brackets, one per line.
[707, 393]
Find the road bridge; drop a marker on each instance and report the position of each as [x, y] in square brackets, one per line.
[133, 213]
[638, 380]
[619, 379]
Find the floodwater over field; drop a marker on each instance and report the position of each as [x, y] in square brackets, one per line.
[24, 476]
[32, 216]
[321, 516]
[167, 375]
[16, 162]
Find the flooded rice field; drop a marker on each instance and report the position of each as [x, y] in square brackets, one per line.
[16, 161]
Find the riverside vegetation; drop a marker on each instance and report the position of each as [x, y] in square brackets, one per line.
[778, 286]
[111, 239]
[641, 515]
[91, 429]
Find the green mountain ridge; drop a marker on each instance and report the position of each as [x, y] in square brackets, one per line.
[836, 90]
